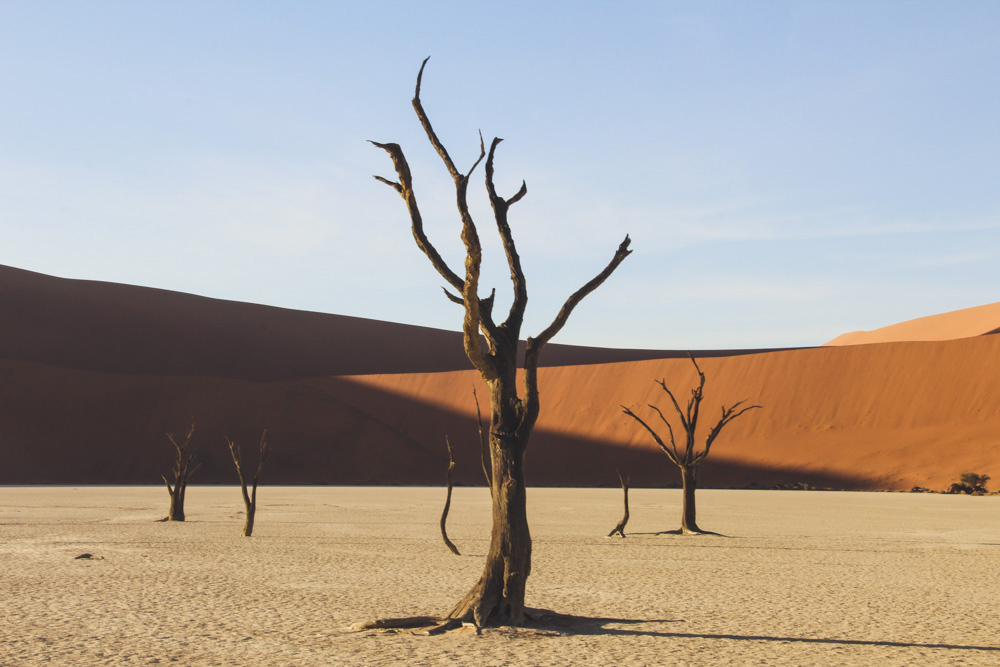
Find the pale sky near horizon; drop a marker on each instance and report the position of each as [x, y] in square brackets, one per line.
[788, 171]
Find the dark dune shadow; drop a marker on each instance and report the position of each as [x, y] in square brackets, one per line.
[130, 330]
[65, 426]
[560, 459]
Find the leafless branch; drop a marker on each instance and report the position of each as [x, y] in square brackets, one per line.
[484, 446]
[656, 436]
[535, 345]
[620, 528]
[447, 502]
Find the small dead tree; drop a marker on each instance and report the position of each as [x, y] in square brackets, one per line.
[182, 472]
[688, 458]
[620, 528]
[498, 597]
[250, 499]
[447, 502]
[484, 447]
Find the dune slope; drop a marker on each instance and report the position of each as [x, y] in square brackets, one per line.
[963, 323]
[92, 376]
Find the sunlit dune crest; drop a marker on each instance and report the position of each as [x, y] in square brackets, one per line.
[963, 323]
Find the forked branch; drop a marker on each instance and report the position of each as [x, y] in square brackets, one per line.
[689, 422]
[500, 207]
[405, 189]
[671, 453]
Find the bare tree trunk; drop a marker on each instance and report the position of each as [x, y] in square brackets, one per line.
[498, 597]
[689, 482]
[181, 472]
[251, 508]
[447, 502]
[249, 499]
[176, 492]
[620, 528]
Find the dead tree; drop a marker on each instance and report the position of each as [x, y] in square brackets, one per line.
[620, 528]
[447, 502]
[498, 597]
[182, 472]
[250, 499]
[687, 458]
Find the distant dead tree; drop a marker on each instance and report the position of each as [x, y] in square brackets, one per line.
[620, 528]
[687, 458]
[182, 472]
[498, 597]
[447, 502]
[250, 499]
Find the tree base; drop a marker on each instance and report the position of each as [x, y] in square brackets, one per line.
[535, 620]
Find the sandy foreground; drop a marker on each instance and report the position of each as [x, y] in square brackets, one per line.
[803, 578]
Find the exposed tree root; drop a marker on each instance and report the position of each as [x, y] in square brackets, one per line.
[435, 625]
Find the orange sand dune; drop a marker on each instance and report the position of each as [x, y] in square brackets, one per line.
[93, 374]
[963, 323]
[886, 416]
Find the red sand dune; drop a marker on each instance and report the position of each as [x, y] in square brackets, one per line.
[963, 323]
[93, 374]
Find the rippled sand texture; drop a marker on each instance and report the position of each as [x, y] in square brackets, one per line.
[803, 578]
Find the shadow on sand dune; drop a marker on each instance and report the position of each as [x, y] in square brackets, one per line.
[64, 426]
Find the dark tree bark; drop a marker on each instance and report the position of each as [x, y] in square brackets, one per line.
[688, 458]
[250, 499]
[182, 472]
[620, 528]
[447, 503]
[689, 484]
[498, 597]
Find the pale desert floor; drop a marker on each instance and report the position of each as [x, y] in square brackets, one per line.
[803, 578]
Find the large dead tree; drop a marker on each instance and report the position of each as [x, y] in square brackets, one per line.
[498, 597]
[182, 472]
[250, 499]
[688, 458]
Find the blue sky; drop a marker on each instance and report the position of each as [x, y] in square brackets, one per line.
[788, 171]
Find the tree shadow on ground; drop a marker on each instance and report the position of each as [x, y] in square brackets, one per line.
[550, 622]
[814, 640]
[567, 624]
[678, 531]
[547, 623]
